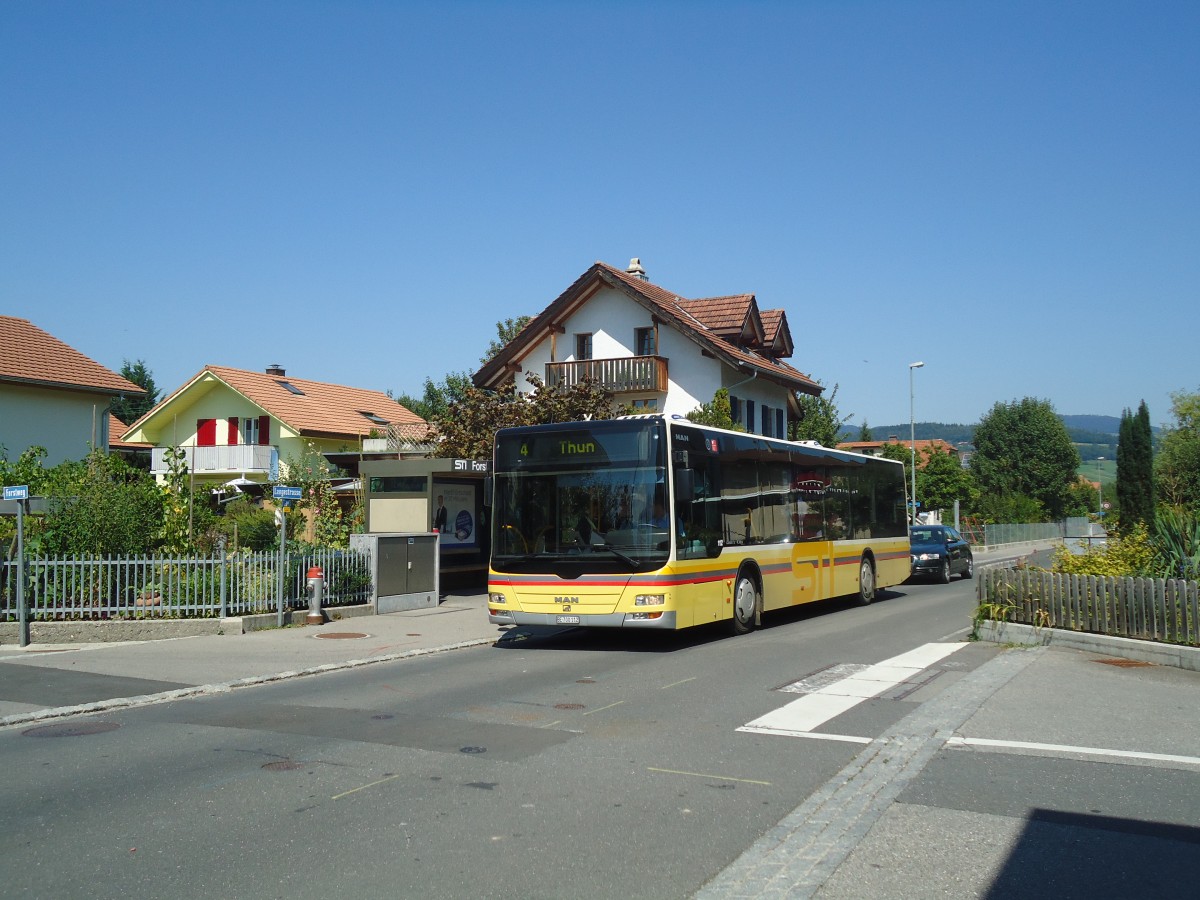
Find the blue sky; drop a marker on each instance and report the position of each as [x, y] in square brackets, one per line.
[1007, 191]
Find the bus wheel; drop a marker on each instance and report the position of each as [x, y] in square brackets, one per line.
[745, 604]
[866, 581]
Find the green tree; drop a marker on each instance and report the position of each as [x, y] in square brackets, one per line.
[101, 505]
[505, 332]
[819, 420]
[941, 480]
[437, 397]
[467, 429]
[312, 473]
[1177, 466]
[1135, 470]
[864, 432]
[718, 413]
[1022, 449]
[131, 407]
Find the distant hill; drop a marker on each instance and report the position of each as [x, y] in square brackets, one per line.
[1094, 436]
[1108, 425]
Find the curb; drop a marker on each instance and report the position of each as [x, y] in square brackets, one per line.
[1180, 657]
[224, 687]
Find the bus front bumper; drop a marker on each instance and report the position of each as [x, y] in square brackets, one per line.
[662, 620]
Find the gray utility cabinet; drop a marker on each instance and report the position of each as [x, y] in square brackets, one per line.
[404, 569]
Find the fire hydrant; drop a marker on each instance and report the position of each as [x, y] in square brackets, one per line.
[316, 586]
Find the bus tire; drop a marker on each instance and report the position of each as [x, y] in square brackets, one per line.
[866, 580]
[745, 604]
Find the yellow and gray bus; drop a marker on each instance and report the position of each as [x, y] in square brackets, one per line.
[659, 523]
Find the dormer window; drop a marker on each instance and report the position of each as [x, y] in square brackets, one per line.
[374, 419]
[291, 388]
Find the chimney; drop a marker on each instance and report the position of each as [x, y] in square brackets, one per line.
[635, 269]
[276, 369]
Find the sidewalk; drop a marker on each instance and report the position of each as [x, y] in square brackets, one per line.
[46, 680]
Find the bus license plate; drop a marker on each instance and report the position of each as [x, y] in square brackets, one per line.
[567, 620]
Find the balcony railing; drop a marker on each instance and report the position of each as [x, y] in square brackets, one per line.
[219, 460]
[621, 375]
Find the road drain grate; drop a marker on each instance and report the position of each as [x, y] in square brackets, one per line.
[1125, 663]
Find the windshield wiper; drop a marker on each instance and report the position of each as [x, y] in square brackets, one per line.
[624, 557]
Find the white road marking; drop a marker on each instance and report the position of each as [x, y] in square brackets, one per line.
[1066, 748]
[809, 712]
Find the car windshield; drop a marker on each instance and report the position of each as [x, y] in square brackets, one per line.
[927, 536]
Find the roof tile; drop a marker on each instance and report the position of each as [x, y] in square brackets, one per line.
[34, 356]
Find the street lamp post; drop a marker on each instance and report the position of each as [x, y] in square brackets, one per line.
[912, 438]
[1099, 489]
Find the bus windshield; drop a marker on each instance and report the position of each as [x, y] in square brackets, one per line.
[574, 494]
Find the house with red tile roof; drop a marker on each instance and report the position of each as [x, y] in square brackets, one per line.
[236, 424]
[53, 396]
[658, 351]
[923, 447]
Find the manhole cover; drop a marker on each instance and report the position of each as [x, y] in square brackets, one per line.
[342, 636]
[1125, 663]
[472, 749]
[383, 716]
[70, 729]
[585, 681]
[569, 706]
[283, 765]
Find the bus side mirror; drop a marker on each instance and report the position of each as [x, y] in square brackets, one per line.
[685, 486]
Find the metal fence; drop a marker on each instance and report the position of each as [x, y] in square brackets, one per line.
[136, 587]
[1155, 609]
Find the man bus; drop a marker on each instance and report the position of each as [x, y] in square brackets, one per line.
[651, 522]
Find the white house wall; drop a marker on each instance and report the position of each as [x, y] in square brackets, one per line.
[611, 318]
[67, 423]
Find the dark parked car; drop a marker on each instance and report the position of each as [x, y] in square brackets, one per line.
[940, 551]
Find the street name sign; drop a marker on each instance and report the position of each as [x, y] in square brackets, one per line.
[16, 492]
[284, 492]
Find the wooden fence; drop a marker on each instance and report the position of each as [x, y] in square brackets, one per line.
[1154, 609]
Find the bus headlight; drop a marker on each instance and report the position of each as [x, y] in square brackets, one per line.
[650, 600]
[496, 598]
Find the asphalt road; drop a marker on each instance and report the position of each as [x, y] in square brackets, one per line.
[555, 764]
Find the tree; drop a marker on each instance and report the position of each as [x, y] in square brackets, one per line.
[467, 430]
[819, 419]
[1177, 468]
[864, 432]
[505, 332]
[1022, 449]
[718, 414]
[941, 480]
[438, 397]
[101, 505]
[130, 408]
[1135, 470]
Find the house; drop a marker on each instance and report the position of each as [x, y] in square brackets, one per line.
[657, 351]
[53, 396]
[923, 447]
[235, 425]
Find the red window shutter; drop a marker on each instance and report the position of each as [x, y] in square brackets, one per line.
[233, 437]
[206, 432]
[264, 430]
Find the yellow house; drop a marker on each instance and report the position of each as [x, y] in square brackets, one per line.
[235, 424]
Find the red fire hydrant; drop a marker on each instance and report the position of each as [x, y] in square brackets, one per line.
[316, 586]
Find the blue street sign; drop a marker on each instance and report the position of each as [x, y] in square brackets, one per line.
[16, 492]
[283, 492]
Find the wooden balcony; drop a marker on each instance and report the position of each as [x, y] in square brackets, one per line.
[622, 375]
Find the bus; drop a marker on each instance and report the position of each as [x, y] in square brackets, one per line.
[658, 523]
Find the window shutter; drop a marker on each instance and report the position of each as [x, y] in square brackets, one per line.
[264, 430]
[232, 437]
[206, 432]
